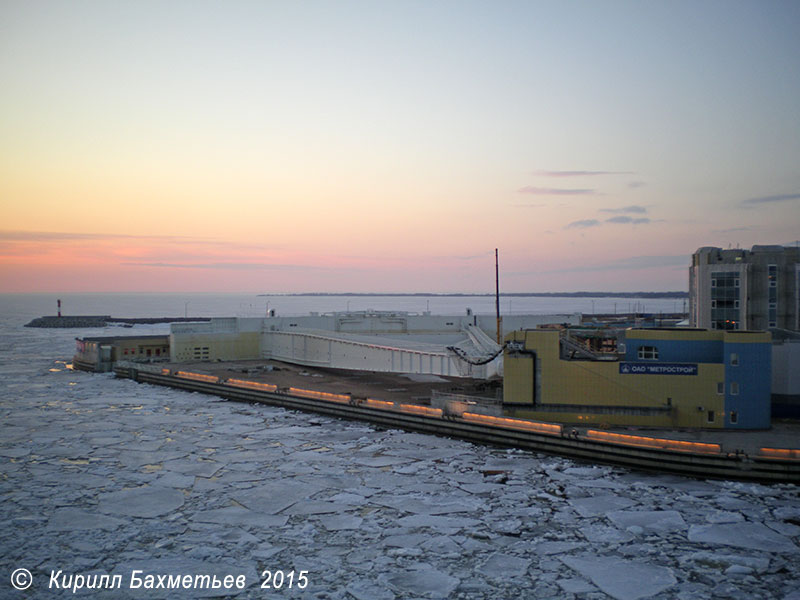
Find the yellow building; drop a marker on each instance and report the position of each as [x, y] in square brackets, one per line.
[656, 378]
[219, 339]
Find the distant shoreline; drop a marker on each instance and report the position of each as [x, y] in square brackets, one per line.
[503, 294]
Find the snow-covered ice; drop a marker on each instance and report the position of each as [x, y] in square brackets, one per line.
[105, 475]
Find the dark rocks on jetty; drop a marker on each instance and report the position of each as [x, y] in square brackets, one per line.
[103, 320]
[83, 321]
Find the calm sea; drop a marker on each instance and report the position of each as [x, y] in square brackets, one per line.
[20, 308]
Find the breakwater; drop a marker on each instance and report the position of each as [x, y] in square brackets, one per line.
[105, 320]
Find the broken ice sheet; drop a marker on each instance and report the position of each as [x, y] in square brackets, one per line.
[441, 524]
[73, 519]
[430, 505]
[408, 540]
[366, 590]
[316, 507]
[651, 521]
[622, 579]
[423, 580]
[441, 544]
[598, 505]
[721, 516]
[236, 515]
[576, 585]
[144, 501]
[546, 548]
[271, 499]
[504, 566]
[715, 559]
[340, 522]
[754, 536]
[601, 534]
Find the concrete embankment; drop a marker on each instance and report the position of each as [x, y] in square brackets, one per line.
[104, 320]
[661, 455]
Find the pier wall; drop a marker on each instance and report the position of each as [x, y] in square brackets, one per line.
[641, 452]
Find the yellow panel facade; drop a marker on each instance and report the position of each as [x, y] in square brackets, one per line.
[685, 401]
[215, 346]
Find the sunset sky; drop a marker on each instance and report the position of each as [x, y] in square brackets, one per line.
[391, 146]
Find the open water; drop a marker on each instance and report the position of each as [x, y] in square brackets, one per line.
[28, 306]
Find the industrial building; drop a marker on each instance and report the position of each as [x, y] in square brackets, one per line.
[100, 353]
[755, 289]
[381, 341]
[641, 377]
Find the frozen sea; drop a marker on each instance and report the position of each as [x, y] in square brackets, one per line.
[105, 476]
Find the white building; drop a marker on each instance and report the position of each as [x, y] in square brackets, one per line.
[399, 342]
[753, 289]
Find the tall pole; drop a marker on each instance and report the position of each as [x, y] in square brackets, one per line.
[497, 296]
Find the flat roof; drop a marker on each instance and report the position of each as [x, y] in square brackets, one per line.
[114, 338]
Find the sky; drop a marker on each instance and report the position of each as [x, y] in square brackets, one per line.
[391, 146]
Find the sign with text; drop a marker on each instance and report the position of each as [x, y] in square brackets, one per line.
[641, 368]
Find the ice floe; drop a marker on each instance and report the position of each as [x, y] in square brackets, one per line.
[622, 579]
[171, 480]
[754, 536]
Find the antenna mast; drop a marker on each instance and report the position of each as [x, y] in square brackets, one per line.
[497, 297]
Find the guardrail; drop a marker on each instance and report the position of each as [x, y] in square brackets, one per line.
[345, 398]
[648, 442]
[197, 376]
[252, 385]
[522, 424]
[780, 453]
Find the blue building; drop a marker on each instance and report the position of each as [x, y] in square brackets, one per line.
[655, 378]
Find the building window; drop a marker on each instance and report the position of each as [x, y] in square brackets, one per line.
[710, 416]
[734, 417]
[720, 387]
[725, 300]
[772, 275]
[772, 294]
[734, 359]
[648, 353]
[734, 388]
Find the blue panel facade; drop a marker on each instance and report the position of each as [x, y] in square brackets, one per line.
[677, 351]
[748, 385]
[748, 371]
